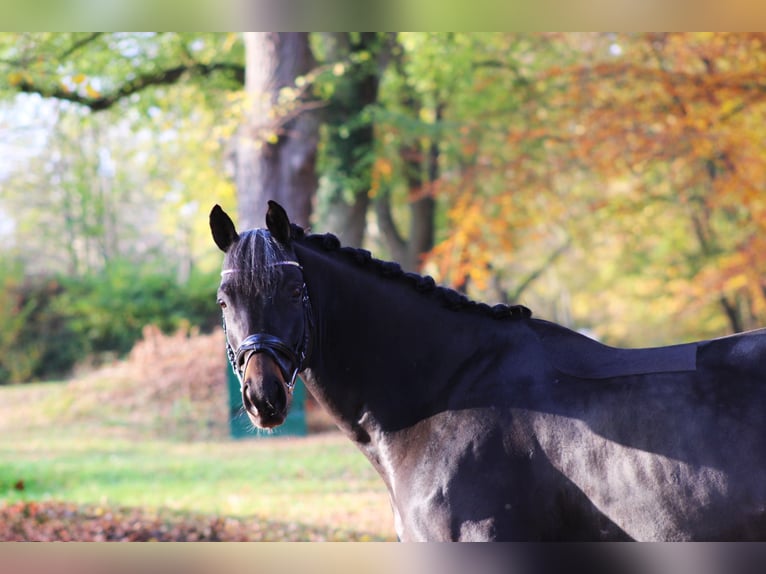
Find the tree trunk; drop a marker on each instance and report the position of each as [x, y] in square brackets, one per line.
[277, 145]
[423, 206]
[421, 171]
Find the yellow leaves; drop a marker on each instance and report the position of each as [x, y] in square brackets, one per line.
[92, 92]
[383, 167]
[382, 172]
[736, 282]
[288, 95]
[83, 84]
[728, 106]
[231, 40]
[427, 115]
[17, 78]
[78, 82]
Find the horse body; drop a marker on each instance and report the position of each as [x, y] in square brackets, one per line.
[458, 430]
[488, 426]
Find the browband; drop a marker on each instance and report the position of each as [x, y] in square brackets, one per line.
[288, 262]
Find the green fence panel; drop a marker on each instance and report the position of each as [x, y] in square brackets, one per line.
[241, 427]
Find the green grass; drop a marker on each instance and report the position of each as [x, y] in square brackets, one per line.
[63, 445]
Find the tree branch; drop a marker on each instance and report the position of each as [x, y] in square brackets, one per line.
[529, 279]
[79, 44]
[160, 78]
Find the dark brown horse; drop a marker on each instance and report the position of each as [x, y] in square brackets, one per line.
[487, 424]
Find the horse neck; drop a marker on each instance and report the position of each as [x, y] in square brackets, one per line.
[381, 347]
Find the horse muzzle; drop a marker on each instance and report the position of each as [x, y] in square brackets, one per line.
[265, 395]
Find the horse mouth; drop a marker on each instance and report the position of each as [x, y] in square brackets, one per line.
[265, 413]
[265, 420]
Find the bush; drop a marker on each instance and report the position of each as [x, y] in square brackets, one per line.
[48, 325]
[33, 337]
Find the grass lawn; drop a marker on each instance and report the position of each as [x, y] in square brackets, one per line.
[59, 441]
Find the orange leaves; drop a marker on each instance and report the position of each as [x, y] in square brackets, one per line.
[382, 172]
[483, 232]
[677, 100]
[54, 521]
[684, 120]
[463, 255]
[740, 275]
[653, 145]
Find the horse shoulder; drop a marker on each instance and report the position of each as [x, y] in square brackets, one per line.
[458, 475]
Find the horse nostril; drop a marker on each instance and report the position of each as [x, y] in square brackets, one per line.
[247, 399]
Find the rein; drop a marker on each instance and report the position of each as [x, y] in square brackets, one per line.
[289, 359]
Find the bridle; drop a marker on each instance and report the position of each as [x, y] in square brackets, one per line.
[289, 359]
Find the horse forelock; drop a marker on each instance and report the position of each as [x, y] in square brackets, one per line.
[252, 259]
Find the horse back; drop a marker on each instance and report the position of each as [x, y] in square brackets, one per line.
[667, 442]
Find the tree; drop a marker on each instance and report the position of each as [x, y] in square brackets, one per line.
[678, 118]
[601, 141]
[277, 144]
[98, 70]
[124, 131]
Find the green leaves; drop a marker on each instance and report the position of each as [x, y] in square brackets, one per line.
[47, 326]
[98, 70]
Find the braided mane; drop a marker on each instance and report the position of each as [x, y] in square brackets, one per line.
[449, 298]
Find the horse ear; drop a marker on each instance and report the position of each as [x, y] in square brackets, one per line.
[224, 232]
[278, 223]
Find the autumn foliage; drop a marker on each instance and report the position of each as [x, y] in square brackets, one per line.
[64, 522]
[610, 181]
[646, 152]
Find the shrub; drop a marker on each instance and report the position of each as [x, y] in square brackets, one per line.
[48, 325]
[34, 338]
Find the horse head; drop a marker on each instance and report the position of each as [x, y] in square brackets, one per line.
[266, 314]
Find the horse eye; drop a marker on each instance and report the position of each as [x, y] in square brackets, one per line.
[222, 303]
[297, 293]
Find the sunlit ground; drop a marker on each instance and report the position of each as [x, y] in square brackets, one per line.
[321, 480]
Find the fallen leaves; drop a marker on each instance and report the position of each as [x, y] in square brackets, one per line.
[64, 522]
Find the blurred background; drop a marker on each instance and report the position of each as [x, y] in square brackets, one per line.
[611, 182]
